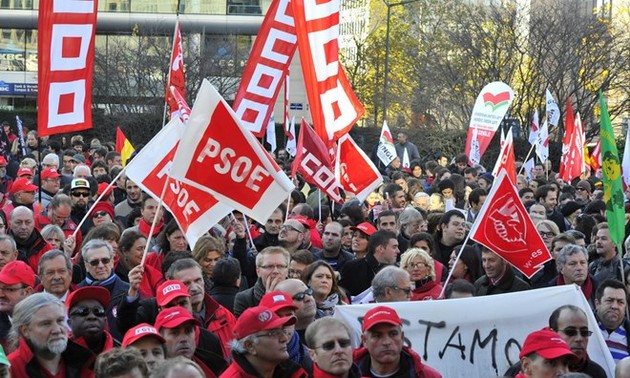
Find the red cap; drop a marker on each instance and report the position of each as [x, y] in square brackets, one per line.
[547, 344]
[259, 318]
[303, 220]
[104, 206]
[17, 272]
[49, 173]
[101, 188]
[24, 172]
[3, 161]
[23, 185]
[365, 227]
[141, 331]
[173, 317]
[99, 293]
[170, 290]
[277, 300]
[378, 315]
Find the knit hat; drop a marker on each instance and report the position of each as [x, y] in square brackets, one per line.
[487, 177]
[584, 184]
[570, 208]
[104, 206]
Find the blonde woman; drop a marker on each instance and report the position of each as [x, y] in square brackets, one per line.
[422, 272]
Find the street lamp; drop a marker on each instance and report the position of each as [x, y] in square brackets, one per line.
[385, 79]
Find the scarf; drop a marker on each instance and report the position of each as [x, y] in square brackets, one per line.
[145, 227]
[90, 281]
[587, 286]
[327, 306]
[293, 347]
[424, 285]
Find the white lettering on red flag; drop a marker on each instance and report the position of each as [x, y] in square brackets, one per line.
[334, 106]
[313, 162]
[354, 170]
[224, 158]
[66, 65]
[504, 226]
[272, 51]
[195, 210]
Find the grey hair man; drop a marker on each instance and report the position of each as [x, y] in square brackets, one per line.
[55, 272]
[411, 222]
[40, 333]
[572, 265]
[392, 284]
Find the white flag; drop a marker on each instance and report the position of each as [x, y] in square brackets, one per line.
[552, 109]
[542, 143]
[533, 132]
[386, 151]
[271, 133]
[529, 167]
[475, 153]
[291, 146]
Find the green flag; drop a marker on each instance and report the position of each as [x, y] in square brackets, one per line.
[613, 189]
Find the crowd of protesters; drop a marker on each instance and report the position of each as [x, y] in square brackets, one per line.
[257, 300]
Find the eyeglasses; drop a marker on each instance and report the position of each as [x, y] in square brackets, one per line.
[289, 228]
[418, 265]
[80, 194]
[104, 261]
[295, 273]
[574, 331]
[302, 295]
[580, 189]
[544, 234]
[330, 345]
[84, 311]
[275, 333]
[99, 214]
[12, 289]
[272, 267]
[406, 290]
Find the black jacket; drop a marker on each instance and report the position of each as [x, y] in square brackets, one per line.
[357, 275]
[342, 258]
[118, 290]
[248, 298]
[509, 283]
[225, 295]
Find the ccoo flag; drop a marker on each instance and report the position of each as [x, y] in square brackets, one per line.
[611, 169]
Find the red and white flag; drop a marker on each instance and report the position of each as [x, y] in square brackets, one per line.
[313, 162]
[542, 142]
[194, 210]
[386, 151]
[535, 128]
[334, 106]
[596, 156]
[262, 77]
[504, 226]
[176, 76]
[65, 50]
[572, 160]
[183, 109]
[506, 160]
[225, 159]
[354, 170]
[291, 146]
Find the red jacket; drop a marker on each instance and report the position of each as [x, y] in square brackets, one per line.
[74, 362]
[220, 321]
[430, 290]
[417, 368]
[241, 368]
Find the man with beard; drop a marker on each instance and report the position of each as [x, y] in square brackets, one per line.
[39, 323]
[134, 200]
[86, 317]
[16, 283]
[332, 252]
[610, 308]
[293, 235]
[272, 228]
[80, 195]
[30, 243]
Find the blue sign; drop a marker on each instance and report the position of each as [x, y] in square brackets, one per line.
[17, 89]
[296, 106]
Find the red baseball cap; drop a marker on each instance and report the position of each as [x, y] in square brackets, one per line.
[259, 318]
[303, 220]
[547, 344]
[99, 293]
[277, 300]
[173, 317]
[101, 188]
[49, 173]
[24, 172]
[365, 227]
[141, 331]
[380, 314]
[3, 161]
[23, 185]
[170, 290]
[17, 272]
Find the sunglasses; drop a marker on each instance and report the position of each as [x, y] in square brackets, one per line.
[330, 345]
[84, 311]
[80, 194]
[99, 214]
[302, 295]
[104, 261]
[571, 332]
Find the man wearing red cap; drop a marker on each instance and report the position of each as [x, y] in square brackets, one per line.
[16, 283]
[305, 214]
[545, 354]
[86, 317]
[260, 348]
[58, 213]
[50, 184]
[30, 243]
[179, 330]
[148, 341]
[383, 353]
[23, 194]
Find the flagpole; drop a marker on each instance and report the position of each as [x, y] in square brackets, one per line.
[286, 216]
[450, 272]
[85, 217]
[526, 158]
[157, 211]
[170, 61]
[249, 232]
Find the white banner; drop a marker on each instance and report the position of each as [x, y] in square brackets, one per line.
[481, 336]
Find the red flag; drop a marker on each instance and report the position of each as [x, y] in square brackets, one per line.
[226, 160]
[504, 226]
[334, 106]
[272, 51]
[363, 178]
[65, 50]
[194, 210]
[176, 72]
[571, 162]
[182, 106]
[312, 161]
[596, 156]
[506, 159]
